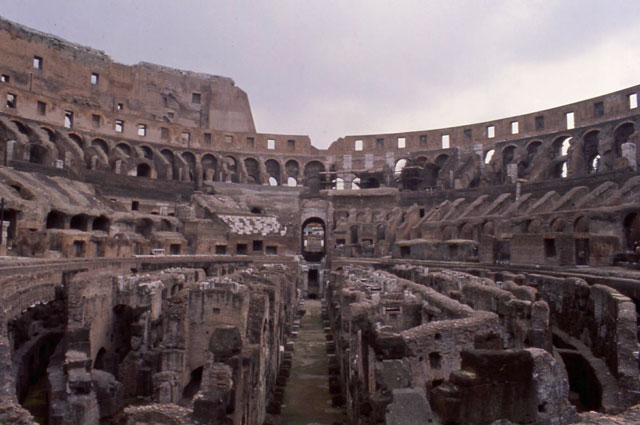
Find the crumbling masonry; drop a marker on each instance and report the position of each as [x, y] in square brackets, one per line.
[156, 252]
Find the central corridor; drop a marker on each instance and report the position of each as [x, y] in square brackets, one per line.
[307, 399]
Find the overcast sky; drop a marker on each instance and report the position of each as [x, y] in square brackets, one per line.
[333, 68]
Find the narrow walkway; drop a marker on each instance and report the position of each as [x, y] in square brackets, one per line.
[307, 400]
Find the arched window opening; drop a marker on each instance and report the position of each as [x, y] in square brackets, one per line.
[273, 181]
[144, 170]
[50, 134]
[291, 182]
[190, 160]
[561, 146]
[101, 223]
[292, 168]
[253, 170]
[230, 170]
[37, 154]
[488, 156]
[147, 152]
[313, 239]
[209, 167]
[532, 150]
[339, 184]
[55, 220]
[621, 135]
[124, 148]
[79, 222]
[77, 139]
[400, 164]
[273, 170]
[100, 144]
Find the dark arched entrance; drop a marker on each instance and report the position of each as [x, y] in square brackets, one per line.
[313, 239]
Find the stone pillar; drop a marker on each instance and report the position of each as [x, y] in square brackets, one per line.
[629, 153]
[118, 166]
[368, 161]
[11, 146]
[347, 179]
[68, 159]
[477, 149]
[4, 238]
[512, 173]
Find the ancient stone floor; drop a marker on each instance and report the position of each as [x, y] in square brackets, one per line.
[307, 399]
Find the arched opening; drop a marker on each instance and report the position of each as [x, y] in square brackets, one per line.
[581, 225]
[621, 135]
[631, 225]
[99, 361]
[590, 152]
[192, 388]
[488, 156]
[50, 134]
[253, 170]
[124, 318]
[37, 154]
[101, 223]
[292, 168]
[124, 148]
[312, 175]
[35, 335]
[559, 170]
[291, 182]
[79, 222]
[77, 139]
[170, 172]
[339, 184]
[400, 164]
[313, 239]
[532, 149]
[585, 391]
[273, 170]
[144, 170]
[147, 152]
[101, 144]
[355, 183]
[209, 168]
[561, 146]
[22, 128]
[55, 220]
[230, 170]
[190, 160]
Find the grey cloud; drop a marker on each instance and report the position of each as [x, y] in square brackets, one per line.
[331, 68]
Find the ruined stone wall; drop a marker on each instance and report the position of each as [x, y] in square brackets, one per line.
[442, 366]
[598, 316]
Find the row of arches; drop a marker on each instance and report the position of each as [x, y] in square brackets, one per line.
[47, 146]
[566, 155]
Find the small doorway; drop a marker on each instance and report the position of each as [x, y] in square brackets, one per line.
[313, 284]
